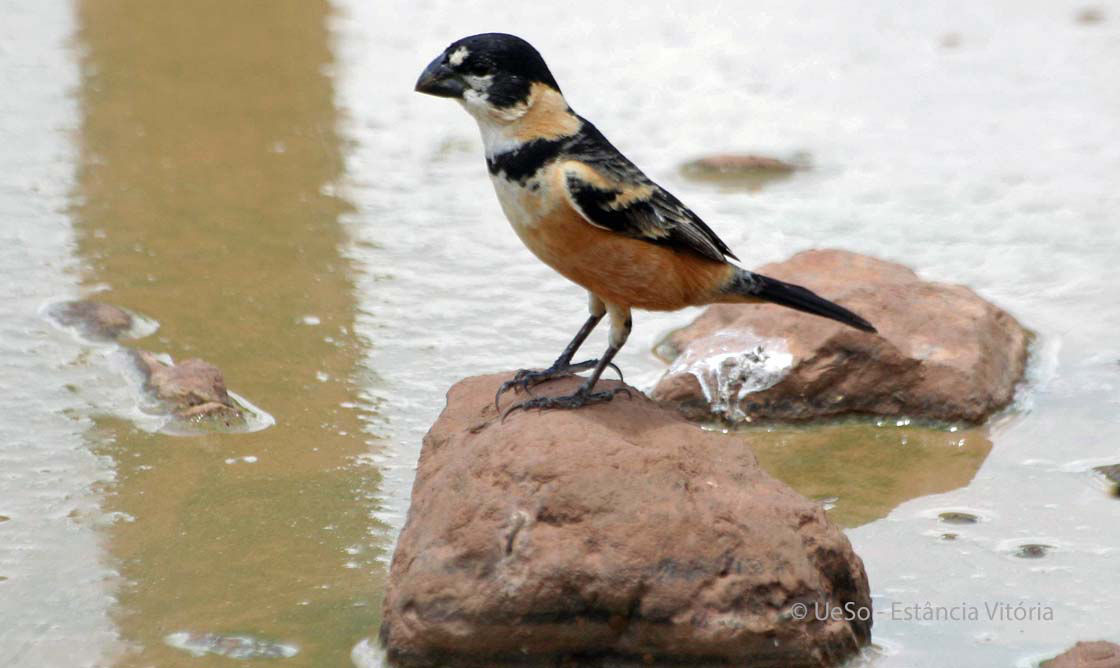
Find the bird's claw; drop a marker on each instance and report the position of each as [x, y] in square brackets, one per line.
[527, 378]
[580, 398]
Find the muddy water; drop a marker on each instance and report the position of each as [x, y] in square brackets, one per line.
[262, 182]
[207, 153]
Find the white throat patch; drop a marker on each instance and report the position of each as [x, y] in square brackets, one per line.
[479, 83]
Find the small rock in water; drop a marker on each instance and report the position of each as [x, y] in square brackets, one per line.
[951, 40]
[1090, 16]
[232, 646]
[93, 320]
[193, 388]
[954, 517]
[1033, 551]
[728, 162]
[752, 171]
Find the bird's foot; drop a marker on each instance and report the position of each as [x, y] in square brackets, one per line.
[582, 397]
[527, 378]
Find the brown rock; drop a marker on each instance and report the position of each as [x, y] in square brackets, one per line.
[951, 40]
[93, 320]
[1098, 654]
[730, 162]
[614, 532]
[192, 387]
[942, 352]
[745, 170]
[1090, 16]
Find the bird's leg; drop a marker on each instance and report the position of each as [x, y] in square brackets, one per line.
[620, 331]
[526, 378]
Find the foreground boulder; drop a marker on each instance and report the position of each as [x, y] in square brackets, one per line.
[617, 532]
[942, 352]
[1098, 654]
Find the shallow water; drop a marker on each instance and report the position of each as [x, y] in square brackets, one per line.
[49, 507]
[264, 184]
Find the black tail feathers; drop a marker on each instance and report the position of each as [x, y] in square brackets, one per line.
[749, 284]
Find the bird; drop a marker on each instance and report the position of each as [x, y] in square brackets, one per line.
[590, 214]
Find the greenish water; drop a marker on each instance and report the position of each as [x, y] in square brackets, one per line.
[862, 472]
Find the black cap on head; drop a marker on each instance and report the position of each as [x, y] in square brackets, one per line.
[500, 52]
[510, 63]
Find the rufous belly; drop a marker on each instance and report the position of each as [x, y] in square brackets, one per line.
[622, 270]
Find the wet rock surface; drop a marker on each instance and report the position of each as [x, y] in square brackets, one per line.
[1098, 654]
[192, 388]
[618, 532]
[942, 352]
[93, 320]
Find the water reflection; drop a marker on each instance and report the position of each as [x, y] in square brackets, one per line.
[208, 153]
[861, 472]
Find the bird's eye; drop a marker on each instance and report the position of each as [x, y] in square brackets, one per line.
[479, 68]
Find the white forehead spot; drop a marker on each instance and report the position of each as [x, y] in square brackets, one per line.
[458, 56]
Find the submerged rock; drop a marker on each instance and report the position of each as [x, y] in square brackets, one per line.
[942, 351]
[192, 388]
[618, 532]
[93, 320]
[241, 647]
[1098, 654]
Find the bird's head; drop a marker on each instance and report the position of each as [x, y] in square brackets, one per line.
[498, 78]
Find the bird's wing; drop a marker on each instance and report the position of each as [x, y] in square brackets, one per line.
[610, 192]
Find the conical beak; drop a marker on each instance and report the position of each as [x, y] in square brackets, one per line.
[438, 79]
